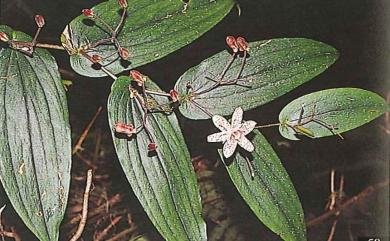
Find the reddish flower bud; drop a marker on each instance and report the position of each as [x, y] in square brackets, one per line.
[152, 146]
[96, 58]
[124, 53]
[174, 95]
[4, 37]
[242, 44]
[123, 128]
[138, 77]
[123, 3]
[232, 43]
[39, 20]
[88, 12]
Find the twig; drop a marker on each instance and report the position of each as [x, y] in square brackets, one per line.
[78, 147]
[122, 234]
[86, 160]
[105, 231]
[97, 145]
[362, 195]
[7, 234]
[335, 197]
[84, 213]
[111, 202]
[13, 234]
[332, 230]
[333, 194]
[1, 225]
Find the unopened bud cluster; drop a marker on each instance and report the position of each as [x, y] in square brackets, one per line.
[237, 45]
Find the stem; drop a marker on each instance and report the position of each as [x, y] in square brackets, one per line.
[242, 65]
[109, 73]
[49, 46]
[108, 27]
[102, 68]
[121, 21]
[268, 125]
[34, 41]
[157, 93]
[230, 62]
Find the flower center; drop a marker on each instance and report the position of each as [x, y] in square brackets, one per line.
[236, 134]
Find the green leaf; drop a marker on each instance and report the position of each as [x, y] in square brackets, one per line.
[164, 183]
[35, 142]
[273, 68]
[152, 30]
[330, 112]
[270, 194]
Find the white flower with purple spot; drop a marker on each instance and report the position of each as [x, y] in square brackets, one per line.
[232, 134]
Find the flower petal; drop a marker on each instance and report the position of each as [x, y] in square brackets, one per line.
[229, 147]
[218, 137]
[247, 127]
[221, 123]
[246, 144]
[237, 117]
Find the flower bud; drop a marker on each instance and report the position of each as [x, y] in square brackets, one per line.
[242, 44]
[88, 12]
[152, 146]
[123, 128]
[96, 58]
[138, 77]
[124, 53]
[174, 95]
[4, 37]
[232, 43]
[123, 3]
[39, 20]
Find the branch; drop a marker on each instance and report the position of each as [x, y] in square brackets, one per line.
[104, 233]
[362, 195]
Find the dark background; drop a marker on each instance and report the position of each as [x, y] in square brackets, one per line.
[359, 29]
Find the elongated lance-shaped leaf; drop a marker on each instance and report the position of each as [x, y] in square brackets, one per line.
[330, 112]
[273, 68]
[35, 142]
[270, 194]
[152, 30]
[164, 181]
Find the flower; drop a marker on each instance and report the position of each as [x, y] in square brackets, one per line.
[152, 146]
[96, 58]
[88, 12]
[232, 134]
[40, 21]
[123, 128]
[138, 77]
[124, 53]
[174, 95]
[4, 37]
[232, 43]
[242, 44]
[122, 3]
